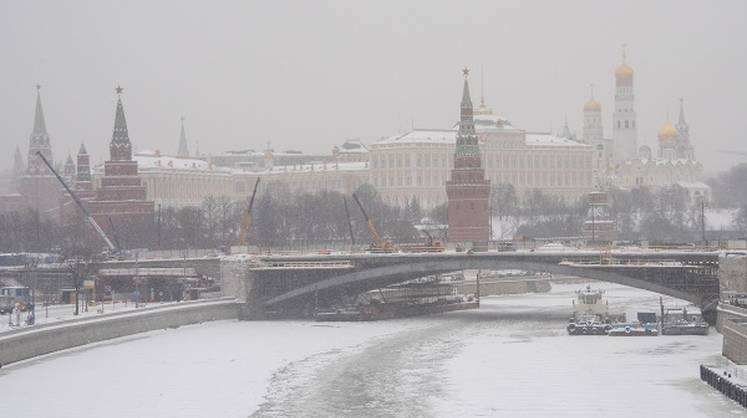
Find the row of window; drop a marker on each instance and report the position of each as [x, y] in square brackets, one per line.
[520, 179]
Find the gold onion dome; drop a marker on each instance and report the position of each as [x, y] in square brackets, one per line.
[592, 106]
[667, 131]
[624, 71]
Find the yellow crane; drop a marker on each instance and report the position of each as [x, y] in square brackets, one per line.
[379, 245]
[246, 220]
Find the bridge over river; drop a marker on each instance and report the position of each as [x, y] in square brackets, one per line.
[292, 282]
[289, 281]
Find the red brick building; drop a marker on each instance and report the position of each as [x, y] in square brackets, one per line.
[121, 199]
[468, 191]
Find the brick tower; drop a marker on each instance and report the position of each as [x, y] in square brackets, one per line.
[468, 191]
[121, 200]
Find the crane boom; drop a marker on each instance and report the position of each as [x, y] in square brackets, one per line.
[371, 227]
[113, 248]
[246, 221]
[350, 224]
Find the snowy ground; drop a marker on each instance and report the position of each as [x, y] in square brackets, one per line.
[57, 313]
[510, 358]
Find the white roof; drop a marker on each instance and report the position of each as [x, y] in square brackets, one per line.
[353, 146]
[308, 168]
[423, 136]
[448, 136]
[548, 139]
[146, 160]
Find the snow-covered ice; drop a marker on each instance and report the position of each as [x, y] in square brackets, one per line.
[510, 358]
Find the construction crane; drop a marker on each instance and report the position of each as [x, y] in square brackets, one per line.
[379, 244]
[246, 221]
[350, 224]
[112, 248]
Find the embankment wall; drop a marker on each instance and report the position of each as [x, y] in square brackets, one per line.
[17, 346]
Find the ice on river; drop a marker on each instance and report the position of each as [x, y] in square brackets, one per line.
[510, 358]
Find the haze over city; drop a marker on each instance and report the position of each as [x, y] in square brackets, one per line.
[381, 209]
[310, 75]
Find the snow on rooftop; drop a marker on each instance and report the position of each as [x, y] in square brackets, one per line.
[153, 160]
[448, 136]
[308, 168]
[548, 139]
[423, 136]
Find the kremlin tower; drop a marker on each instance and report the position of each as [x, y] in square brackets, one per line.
[183, 151]
[468, 191]
[37, 185]
[121, 199]
[624, 130]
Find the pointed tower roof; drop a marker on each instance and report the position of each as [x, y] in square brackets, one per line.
[466, 142]
[681, 120]
[466, 99]
[566, 132]
[82, 150]
[40, 125]
[183, 150]
[120, 148]
[38, 140]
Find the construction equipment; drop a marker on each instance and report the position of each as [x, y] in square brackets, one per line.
[112, 248]
[430, 246]
[246, 221]
[379, 245]
[350, 224]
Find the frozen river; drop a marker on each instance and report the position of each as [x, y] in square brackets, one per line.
[510, 358]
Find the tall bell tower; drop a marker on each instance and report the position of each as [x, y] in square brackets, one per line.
[624, 129]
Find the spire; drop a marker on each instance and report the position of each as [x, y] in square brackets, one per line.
[466, 143]
[183, 150]
[681, 120]
[566, 132]
[624, 53]
[82, 149]
[120, 147]
[40, 126]
[466, 99]
[38, 140]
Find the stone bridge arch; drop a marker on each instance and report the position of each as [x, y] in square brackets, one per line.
[372, 278]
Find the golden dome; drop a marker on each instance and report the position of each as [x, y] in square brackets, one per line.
[624, 71]
[667, 131]
[592, 106]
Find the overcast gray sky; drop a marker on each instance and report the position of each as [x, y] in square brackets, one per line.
[309, 74]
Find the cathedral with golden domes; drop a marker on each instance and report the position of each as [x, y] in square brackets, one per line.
[620, 162]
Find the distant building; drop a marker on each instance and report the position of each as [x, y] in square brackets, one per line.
[674, 163]
[39, 188]
[418, 163]
[624, 129]
[602, 147]
[351, 151]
